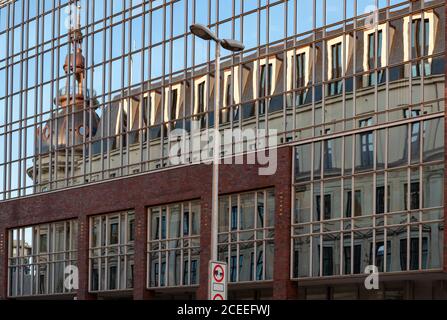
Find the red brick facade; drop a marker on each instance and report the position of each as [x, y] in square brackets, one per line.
[139, 193]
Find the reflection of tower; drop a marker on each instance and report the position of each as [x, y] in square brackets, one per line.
[73, 123]
[74, 120]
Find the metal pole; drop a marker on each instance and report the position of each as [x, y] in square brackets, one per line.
[216, 137]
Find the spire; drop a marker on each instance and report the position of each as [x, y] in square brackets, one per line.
[75, 61]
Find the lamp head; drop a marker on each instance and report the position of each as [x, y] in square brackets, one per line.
[232, 45]
[203, 32]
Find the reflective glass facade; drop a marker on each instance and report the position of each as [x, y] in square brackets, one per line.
[97, 90]
[94, 93]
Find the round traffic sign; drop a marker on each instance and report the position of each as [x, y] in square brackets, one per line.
[218, 273]
[218, 297]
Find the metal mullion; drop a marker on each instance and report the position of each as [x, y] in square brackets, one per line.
[375, 134]
[7, 97]
[52, 251]
[47, 288]
[103, 65]
[422, 61]
[353, 191]
[354, 84]
[72, 113]
[50, 154]
[410, 55]
[312, 189]
[141, 103]
[257, 63]
[387, 70]
[109, 93]
[22, 54]
[37, 256]
[106, 256]
[148, 214]
[292, 216]
[67, 251]
[168, 237]
[129, 94]
[67, 111]
[342, 199]
[10, 260]
[162, 84]
[182, 212]
[126, 244]
[56, 124]
[90, 95]
[20, 254]
[376, 66]
[9, 91]
[169, 98]
[122, 134]
[118, 253]
[90, 252]
[238, 236]
[269, 74]
[151, 103]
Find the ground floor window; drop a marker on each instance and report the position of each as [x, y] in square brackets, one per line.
[39, 257]
[246, 235]
[112, 252]
[174, 245]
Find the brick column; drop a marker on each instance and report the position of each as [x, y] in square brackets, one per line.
[3, 265]
[83, 261]
[283, 287]
[140, 260]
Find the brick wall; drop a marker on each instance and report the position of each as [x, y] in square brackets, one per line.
[140, 192]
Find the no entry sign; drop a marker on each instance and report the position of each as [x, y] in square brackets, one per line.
[218, 281]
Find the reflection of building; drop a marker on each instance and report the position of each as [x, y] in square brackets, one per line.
[359, 111]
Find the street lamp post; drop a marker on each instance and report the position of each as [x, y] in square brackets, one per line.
[204, 33]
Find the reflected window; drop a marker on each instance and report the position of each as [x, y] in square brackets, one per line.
[366, 145]
[335, 87]
[327, 207]
[300, 73]
[173, 109]
[380, 256]
[328, 261]
[201, 103]
[265, 85]
[380, 199]
[114, 233]
[328, 154]
[375, 56]
[414, 196]
[357, 204]
[414, 254]
[415, 133]
[420, 41]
